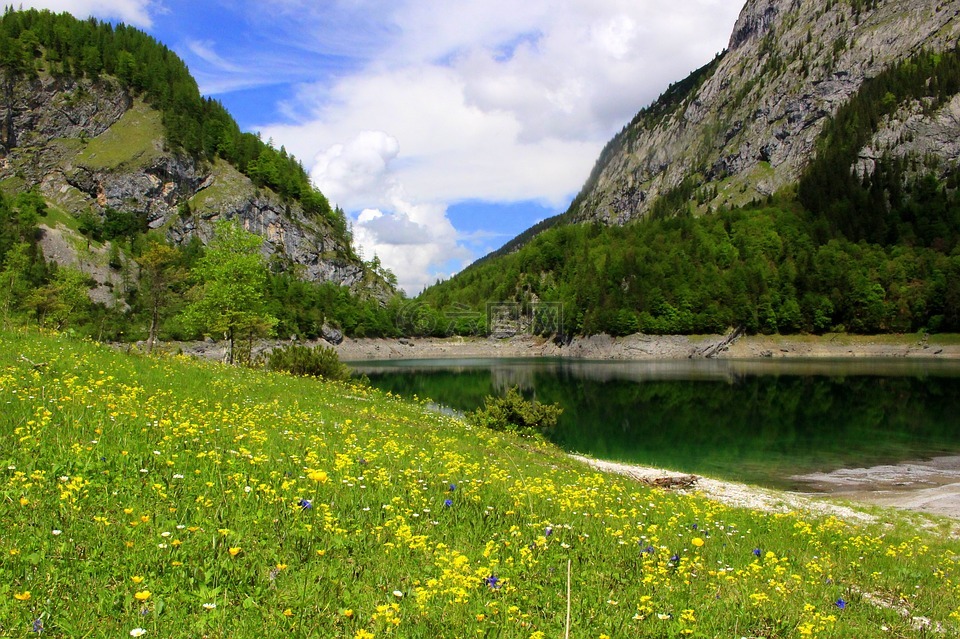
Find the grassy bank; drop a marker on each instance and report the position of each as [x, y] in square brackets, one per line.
[171, 498]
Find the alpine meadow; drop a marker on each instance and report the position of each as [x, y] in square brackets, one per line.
[187, 449]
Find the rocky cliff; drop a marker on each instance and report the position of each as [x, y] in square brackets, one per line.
[89, 146]
[747, 125]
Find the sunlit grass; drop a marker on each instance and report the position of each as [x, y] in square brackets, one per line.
[169, 498]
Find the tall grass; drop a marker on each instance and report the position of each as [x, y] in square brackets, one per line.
[167, 498]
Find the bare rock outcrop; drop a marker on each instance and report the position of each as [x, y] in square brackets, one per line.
[90, 146]
[747, 125]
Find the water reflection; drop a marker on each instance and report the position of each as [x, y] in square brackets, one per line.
[760, 421]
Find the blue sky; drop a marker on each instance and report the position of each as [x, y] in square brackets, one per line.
[442, 127]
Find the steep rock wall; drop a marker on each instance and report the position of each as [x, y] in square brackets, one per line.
[750, 127]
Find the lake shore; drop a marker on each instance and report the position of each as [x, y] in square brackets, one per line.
[655, 347]
[931, 487]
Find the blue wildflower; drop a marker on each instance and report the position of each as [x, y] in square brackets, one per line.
[757, 552]
[448, 502]
[37, 625]
[675, 558]
[695, 526]
[649, 550]
[305, 504]
[548, 531]
[840, 603]
[492, 582]
[453, 487]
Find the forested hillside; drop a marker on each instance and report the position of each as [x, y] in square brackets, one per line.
[862, 244]
[117, 174]
[34, 42]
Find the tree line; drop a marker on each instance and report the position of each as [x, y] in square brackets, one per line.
[243, 295]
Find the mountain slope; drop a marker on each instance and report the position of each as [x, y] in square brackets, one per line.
[804, 181]
[102, 118]
[751, 127]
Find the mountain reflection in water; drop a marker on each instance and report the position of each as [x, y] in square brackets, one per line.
[760, 421]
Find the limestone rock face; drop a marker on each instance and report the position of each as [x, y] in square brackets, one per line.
[90, 146]
[749, 123]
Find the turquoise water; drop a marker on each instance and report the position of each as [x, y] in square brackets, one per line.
[755, 421]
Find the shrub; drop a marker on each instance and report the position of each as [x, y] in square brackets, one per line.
[515, 414]
[319, 361]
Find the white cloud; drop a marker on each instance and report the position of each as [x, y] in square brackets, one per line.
[133, 12]
[492, 100]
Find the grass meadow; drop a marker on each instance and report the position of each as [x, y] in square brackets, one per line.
[162, 497]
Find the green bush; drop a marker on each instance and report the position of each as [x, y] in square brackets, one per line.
[515, 414]
[319, 361]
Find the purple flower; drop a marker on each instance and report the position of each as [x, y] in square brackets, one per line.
[448, 502]
[305, 504]
[675, 559]
[492, 582]
[695, 526]
[453, 487]
[757, 552]
[548, 531]
[649, 550]
[840, 603]
[37, 626]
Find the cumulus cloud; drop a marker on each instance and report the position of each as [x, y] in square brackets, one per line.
[356, 173]
[416, 241]
[133, 12]
[490, 100]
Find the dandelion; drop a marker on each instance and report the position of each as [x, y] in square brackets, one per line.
[697, 542]
[136, 579]
[137, 632]
[142, 595]
[318, 476]
[363, 634]
[235, 550]
[288, 612]
[348, 613]
[22, 596]
[24, 501]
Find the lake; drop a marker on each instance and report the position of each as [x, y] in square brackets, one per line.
[761, 421]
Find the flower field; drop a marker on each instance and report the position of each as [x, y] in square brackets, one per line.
[161, 497]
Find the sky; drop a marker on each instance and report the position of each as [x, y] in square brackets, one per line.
[443, 128]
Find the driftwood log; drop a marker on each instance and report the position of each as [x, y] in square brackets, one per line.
[676, 481]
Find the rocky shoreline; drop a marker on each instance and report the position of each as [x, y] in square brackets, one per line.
[654, 347]
[630, 348]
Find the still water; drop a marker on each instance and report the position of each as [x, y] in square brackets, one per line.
[756, 421]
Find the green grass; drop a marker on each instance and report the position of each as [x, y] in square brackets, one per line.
[56, 216]
[190, 500]
[228, 183]
[130, 142]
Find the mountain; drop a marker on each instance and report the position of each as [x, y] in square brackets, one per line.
[104, 122]
[805, 180]
[747, 125]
